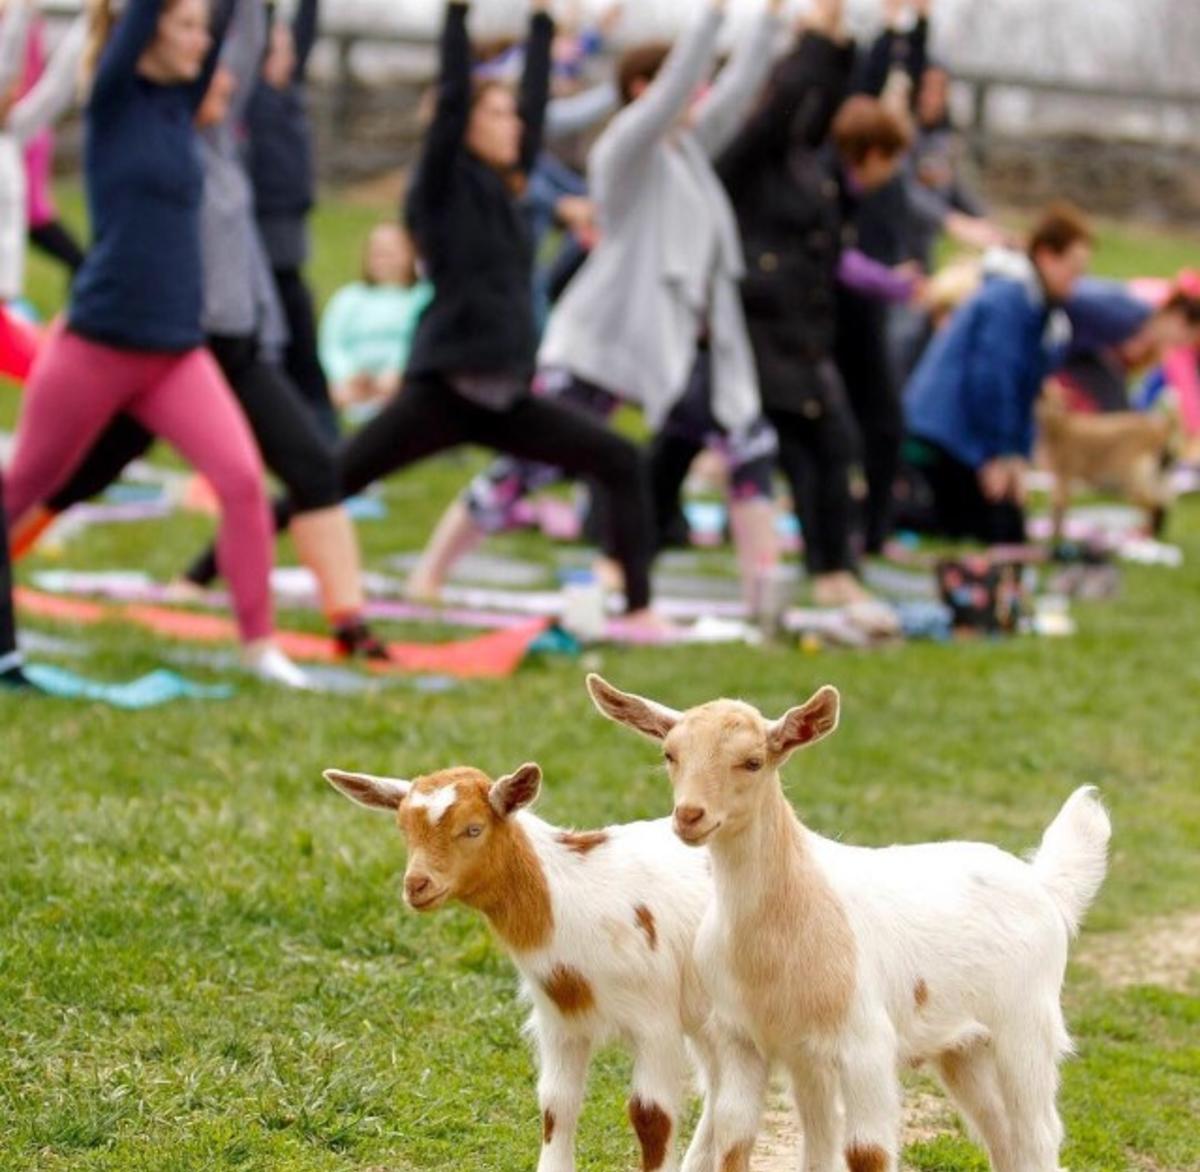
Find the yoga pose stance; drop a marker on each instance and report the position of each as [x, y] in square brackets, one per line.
[133, 340]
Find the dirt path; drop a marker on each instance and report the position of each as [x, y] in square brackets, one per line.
[927, 1114]
[1163, 952]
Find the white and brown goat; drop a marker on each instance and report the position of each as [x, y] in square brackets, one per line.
[601, 926]
[840, 963]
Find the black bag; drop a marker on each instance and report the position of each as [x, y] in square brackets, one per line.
[984, 595]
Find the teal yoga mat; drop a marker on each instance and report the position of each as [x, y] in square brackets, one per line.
[148, 691]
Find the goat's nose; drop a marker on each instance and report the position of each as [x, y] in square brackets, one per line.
[416, 885]
[689, 815]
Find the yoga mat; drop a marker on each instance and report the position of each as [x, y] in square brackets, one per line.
[297, 591]
[119, 512]
[509, 612]
[484, 569]
[366, 508]
[486, 657]
[148, 691]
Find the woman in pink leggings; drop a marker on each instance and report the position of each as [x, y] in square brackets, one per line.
[133, 341]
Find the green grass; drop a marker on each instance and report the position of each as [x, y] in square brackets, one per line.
[205, 964]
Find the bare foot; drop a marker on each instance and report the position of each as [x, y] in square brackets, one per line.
[839, 589]
[185, 590]
[610, 575]
[646, 625]
[422, 589]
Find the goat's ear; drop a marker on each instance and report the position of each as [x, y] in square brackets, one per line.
[516, 790]
[376, 793]
[645, 716]
[805, 725]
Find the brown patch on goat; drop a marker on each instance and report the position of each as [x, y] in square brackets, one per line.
[547, 1126]
[582, 842]
[737, 1159]
[569, 989]
[805, 907]
[501, 878]
[866, 1158]
[645, 921]
[920, 992]
[653, 1127]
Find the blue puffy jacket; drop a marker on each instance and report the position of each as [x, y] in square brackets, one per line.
[973, 392]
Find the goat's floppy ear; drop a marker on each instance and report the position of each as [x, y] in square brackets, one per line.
[517, 790]
[376, 793]
[645, 716]
[805, 725]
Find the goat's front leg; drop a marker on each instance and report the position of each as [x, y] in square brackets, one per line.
[660, 1071]
[701, 1156]
[563, 1065]
[871, 1094]
[815, 1090]
[741, 1090]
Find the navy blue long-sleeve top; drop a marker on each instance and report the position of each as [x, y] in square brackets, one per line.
[140, 287]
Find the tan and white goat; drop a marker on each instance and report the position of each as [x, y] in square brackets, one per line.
[601, 926]
[839, 963]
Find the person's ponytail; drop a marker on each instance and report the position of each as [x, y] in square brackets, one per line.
[100, 21]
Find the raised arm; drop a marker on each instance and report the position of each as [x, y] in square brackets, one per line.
[242, 54]
[222, 18]
[634, 133]
[535, 83]
[801, 99]
[725, 109]
[579, 112]
[117, 68]
[55, 91]
[444, 138]
[305, 29]
[14, 31]
[896, 48]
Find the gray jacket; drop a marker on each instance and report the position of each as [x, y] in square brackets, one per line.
[629, 320]
[240, 299]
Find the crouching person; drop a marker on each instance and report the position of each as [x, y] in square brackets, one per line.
[969, 406]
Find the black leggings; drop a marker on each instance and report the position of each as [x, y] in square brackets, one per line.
[960, 510]
[301, 359]
[56, 241]
[494, 496]
[8, 625]
[429, 416]
[287, 435]
[688, 429]
[864, 361]
[816, 450]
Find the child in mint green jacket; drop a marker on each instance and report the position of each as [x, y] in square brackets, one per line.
[367, 328]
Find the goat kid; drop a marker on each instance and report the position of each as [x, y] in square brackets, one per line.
[839, 962]
[600, 924]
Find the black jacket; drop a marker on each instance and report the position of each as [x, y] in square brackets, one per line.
[468, 224]
[790, 209]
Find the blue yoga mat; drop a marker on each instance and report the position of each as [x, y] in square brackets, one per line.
[148, 691]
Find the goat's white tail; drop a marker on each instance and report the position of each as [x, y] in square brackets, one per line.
[1074, 854]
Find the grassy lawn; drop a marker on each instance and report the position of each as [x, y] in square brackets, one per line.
[205, 963]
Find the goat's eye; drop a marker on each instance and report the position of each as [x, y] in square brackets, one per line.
[473, 831]
[668, 757]
[752, 764]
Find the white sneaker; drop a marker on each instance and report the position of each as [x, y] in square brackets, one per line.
[270, 664]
